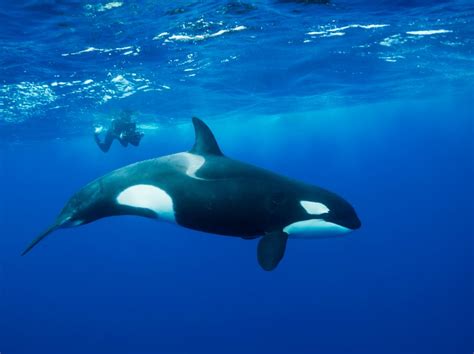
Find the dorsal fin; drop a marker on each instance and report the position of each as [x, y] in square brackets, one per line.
[205, 143]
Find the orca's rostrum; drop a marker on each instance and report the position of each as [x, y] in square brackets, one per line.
[206, 191]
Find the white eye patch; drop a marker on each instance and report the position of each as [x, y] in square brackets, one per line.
[314, 208]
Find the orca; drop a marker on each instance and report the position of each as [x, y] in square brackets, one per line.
[204, 190]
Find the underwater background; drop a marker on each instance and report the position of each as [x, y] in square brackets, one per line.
[371, 99]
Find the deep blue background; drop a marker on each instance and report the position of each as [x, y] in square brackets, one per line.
[395, 138]
[401, 284]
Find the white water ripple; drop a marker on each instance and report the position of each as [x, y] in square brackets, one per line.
[103, 7]
[428, 32]
[123, 50]
[19, 101]
[339, 31]
[198, 37]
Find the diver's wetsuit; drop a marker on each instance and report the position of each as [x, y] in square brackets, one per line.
[122, 130]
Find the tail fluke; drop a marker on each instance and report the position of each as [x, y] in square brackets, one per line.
[40, 237]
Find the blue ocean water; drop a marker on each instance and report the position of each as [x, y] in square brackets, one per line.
[372, 100]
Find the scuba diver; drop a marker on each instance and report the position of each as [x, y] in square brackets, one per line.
[122, 129]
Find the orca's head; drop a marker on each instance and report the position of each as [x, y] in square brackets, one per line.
[89, 204]
[322, 215]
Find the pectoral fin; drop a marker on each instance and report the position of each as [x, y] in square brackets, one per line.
[271, 249]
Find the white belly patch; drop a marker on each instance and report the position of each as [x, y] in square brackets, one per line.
[314, 228]
[148, 197]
